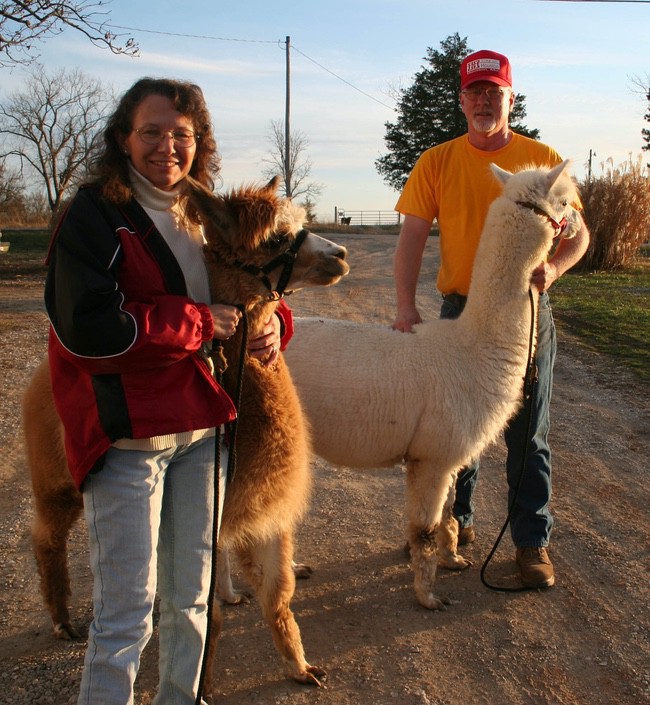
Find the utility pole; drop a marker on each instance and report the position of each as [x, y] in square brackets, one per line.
[591, 155]
[287, 126]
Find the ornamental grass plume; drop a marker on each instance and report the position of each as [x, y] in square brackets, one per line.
[617, 212]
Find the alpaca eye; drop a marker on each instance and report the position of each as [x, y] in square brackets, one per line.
[275, 241]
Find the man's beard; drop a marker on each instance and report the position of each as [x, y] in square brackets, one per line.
[484, 124]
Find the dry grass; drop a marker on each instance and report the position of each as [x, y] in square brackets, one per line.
[617, 212]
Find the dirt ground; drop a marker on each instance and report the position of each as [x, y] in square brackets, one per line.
[586, 641]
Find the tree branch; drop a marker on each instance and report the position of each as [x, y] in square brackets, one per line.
[24, 23]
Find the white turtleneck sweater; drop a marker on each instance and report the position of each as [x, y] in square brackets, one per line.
[167, 211]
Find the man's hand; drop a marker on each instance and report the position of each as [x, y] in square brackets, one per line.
[543, 276]
[405, 321]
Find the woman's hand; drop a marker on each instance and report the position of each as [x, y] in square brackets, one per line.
[226, 319]
[266, 347]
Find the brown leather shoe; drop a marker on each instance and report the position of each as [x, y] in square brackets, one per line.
[535, 567]
[466, 534]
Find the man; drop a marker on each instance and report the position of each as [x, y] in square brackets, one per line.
[452, 183]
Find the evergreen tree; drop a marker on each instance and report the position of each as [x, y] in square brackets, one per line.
[429, 112]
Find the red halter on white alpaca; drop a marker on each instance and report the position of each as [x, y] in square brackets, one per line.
[558, 227]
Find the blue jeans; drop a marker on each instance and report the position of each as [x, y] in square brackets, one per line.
[150, 523]
[531, 522]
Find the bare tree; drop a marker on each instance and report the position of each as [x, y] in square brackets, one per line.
[52, 125]
[24, 23]
[18, 206]
[295, 174]
[642, 87]
[11, 187]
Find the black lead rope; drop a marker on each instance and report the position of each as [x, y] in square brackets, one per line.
[217, 351]
[530, 381]
[213, 569]
[234, 425]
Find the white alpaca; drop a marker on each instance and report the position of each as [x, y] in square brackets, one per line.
[434, 399]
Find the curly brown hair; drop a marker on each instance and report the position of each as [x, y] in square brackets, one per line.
[110, 166]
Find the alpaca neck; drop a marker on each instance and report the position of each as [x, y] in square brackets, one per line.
[508, 252]
[495, 289]
[496, 322]
[233, 287]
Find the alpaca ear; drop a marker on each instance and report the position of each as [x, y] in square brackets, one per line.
[501, 174]
[199, 192]
[554, 174]
[273, 185]
[216, 219]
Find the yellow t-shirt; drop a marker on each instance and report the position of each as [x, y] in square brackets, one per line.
[453, 183]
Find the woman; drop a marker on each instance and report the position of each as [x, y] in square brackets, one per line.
[128, 298]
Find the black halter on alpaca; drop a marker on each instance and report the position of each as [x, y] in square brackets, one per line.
[287, 259]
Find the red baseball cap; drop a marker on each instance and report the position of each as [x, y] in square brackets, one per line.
[485, 65]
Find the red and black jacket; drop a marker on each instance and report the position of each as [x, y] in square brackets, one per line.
[125, 337]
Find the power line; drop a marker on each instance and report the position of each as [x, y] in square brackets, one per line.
[342, 79]
[192, 36]
[254, 41]
[639, 2]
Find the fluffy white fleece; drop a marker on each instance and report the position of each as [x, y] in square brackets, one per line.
[435, 398]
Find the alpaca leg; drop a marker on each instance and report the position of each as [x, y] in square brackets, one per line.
[57, 502]
[268, 567]
[447, 536]
[426, 494]
[302, 570]
[50, 530]
[225, 589]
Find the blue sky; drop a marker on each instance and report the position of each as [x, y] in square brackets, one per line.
[574, 61]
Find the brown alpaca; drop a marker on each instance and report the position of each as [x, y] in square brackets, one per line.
[269, 493]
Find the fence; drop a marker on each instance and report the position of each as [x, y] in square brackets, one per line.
[366, 217]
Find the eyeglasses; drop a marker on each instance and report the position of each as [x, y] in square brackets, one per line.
[491, 93]
[154, 135]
